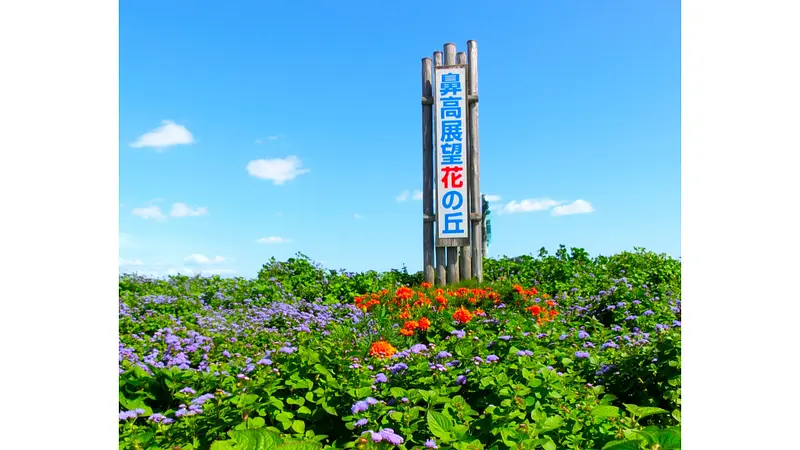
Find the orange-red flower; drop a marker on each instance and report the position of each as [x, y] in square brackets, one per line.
[553, 312]
[550, 303]
[406, 332]
[480, 312]
[405, 314]
[462, 315]
[425, 285]
[382, 349]
[404, 293]
[520, 290]
[535, 310]
[424, 323]
[411, 325]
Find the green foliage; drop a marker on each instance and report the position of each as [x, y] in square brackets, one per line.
[282, 361]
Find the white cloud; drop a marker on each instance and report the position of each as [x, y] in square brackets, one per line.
[129, 262]
[184, 210]
[149, 212]
[529, 205]
[493, 198]
[167, 135]
[357, 216]
[273, 240]
[202, 259]
[417, 195]
[180, 271]
[402, 197]
[279, 170]
[577, 207]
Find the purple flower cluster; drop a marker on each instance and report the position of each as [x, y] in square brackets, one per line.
[386, 435]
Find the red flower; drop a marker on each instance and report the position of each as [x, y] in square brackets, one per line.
[382, 349]
[462, 315]
[424, 324]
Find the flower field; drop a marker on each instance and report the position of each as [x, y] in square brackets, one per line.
[552, 352]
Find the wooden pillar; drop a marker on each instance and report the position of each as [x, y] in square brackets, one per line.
[427, 170]
[473, 161]
[465, 254]
[441, 274]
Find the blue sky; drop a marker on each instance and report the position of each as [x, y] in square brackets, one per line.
[257, 129]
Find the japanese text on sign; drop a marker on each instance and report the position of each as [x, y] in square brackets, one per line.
[450, 116]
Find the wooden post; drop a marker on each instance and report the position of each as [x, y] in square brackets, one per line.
[473, 161]
[465, 256]
[427, 170]
[441, 274]
[453, 272]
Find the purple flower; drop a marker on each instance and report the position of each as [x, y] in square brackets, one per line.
[264, 362]
[188, 390]
[649, 312]
[677, 323]
[581, 354]
[226, 353]
[381, 378]
[459, 333]
[609, 344]
[361, 422]
[287, 349]
[359, 406]
[418, 348]
[524, 353]
[461, 379]
[430, 443]
[125, 415]
[583, 335]
[616, 328]
[390, 436]
[504, 338]
[443, 354]
[371, 401]
[492, 358]
[562, 337]
[399, 367]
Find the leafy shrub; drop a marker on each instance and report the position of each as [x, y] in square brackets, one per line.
[558, 351]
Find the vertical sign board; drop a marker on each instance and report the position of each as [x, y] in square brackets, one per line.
[450, 117]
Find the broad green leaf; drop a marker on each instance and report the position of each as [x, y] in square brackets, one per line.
[299, 446]
[364, 392]
[677, 415]
[439, 424]
[460, 431]
[549, 445]
[622, 445]
[551, 423]
[221, 445]
[255, 422]
[255, 439]
[605, 411]
[644, 411]
[299, 426]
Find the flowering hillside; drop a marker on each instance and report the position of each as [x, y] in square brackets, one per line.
[555, 352]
